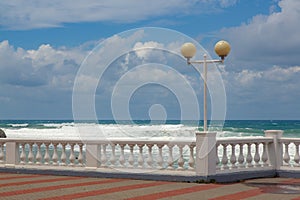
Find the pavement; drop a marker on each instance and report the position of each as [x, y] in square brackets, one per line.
[35, 186]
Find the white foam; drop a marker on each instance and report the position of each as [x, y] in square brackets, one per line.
[18, 125]
[77, 131]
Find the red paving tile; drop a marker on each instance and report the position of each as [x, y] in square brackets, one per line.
[239, 195]
[39, 181]
[169, 193]
[106, 191]
[172, 193]
[23, 176]
[48, 188]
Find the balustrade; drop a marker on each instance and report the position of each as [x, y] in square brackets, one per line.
[290, 152]
[229, 154]
[148, 155]
[250, 154]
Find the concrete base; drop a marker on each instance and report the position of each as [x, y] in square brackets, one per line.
[159, 176]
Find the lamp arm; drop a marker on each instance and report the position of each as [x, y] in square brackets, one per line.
[202, 61]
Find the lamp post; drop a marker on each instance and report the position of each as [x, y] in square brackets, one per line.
[188, 50]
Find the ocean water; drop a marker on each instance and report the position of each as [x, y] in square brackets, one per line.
[46, 129]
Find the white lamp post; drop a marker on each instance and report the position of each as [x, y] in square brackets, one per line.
[188, 50]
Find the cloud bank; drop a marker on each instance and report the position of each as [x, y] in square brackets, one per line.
[272, 39]
[31, 14]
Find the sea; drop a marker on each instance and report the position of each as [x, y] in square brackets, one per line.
[170, 129]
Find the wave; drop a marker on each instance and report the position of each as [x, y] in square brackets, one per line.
[69, 129]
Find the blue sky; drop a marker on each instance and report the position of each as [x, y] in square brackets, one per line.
[43, 45]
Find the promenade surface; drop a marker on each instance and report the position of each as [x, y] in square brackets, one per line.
[29, 186]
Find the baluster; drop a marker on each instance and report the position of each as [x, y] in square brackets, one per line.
[122, 157]
[241, 158]
[160, 157]
[256, 155]
[113, 155]
[30, 154]
[46, 156]
[63, 157]
[38, 156]
[99, 163]
[1, 153]
[249, 156]
[264, 156]
[192, 159]
[54, 156]
[150, 158]
[170, 159]
[218, 162]
[224, 157]
[103, 156]
[22, 155]
[286, 156]
[72, 156]
[140, 158]
[297, 157]
[180, 160]
[233, 156]
[80, 156]
[131, 158]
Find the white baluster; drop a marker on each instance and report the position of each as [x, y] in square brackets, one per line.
[1, 153]
[241, 157]
[233, 156]
[224, 157]
[113, 155]
[38, 156]
[170, 159]
[264, 156]
[122, 157]
[256, 155]
[131, 158]
[192, 159]
[103, 156]
[55, 156]
[22, 155]
[30, 154]
[180, 160]
[150, 158]
[286, 156]
[46, 156]
[63, 157]
[297, 157]
[72, 156]
[217, 158]
[80, 156]
[249, 156]
[140, 158]
[160, 157]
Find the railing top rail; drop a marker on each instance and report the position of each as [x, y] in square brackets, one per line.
[235, 140]
[290, 140]
[177, 141]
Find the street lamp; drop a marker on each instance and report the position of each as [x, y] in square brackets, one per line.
[188, 50]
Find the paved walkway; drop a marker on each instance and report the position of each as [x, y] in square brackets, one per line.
[28, 186]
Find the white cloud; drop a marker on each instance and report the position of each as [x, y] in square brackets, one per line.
[142, 49]
[41, 67]
[30, 14]
[272, 39]
[246, 77]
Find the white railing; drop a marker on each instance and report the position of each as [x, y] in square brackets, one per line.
[204, 156]
[290, 152]
[242, 153]
[114, 153]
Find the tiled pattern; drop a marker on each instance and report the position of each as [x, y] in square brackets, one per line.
[26, 186]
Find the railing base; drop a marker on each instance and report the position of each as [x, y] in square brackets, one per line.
[158, 176]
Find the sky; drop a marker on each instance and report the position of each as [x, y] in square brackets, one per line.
[46, 46]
